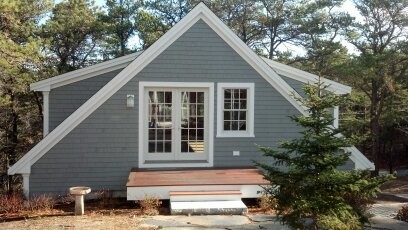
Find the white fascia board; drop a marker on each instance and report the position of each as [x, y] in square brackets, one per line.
[107, 91]
[84, 73]
[306, 77]
[199, 12]
[253, 59]
[360, 161]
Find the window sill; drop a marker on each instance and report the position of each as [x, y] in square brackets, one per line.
[234, 135]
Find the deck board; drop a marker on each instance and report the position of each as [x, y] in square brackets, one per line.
[196, 177]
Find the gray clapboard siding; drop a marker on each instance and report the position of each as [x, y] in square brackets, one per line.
[101, 151]
[66, 99]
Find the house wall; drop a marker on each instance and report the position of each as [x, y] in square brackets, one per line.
[64, 100]
[101, 151]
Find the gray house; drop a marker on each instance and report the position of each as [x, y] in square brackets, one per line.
[191, 106]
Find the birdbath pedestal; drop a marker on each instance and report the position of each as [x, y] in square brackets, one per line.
[79, 193]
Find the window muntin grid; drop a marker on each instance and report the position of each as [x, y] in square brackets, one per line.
[235, 112]
[192, 122]
[160, 123]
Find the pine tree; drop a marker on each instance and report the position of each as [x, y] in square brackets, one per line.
[305, 176]
[20, 62]
[119, 27]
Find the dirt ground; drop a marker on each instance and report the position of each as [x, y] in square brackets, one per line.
[119, 214]
[396, 186]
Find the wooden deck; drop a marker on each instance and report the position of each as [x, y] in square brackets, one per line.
[196, 177]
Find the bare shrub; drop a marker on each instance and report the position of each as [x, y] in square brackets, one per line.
[267, 203]
[11, 203]
[106, 198]
[403, 213]
[41, 203]
[66, 199]
[150, 205]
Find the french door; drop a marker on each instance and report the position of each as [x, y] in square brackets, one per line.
[176, 124]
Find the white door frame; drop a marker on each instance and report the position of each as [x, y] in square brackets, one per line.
[142, 115]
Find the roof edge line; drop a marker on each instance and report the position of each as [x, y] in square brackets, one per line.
[303, 76]
[254, 60]
[86, 72]
[106, 91]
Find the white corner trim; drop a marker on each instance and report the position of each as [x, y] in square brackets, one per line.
[336, 117]
[142, 114]
[46, 112]
[306, 77]
[250, 105]
[84, 73]
[26, 185]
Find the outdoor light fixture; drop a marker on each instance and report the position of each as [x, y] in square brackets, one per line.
[130, 100]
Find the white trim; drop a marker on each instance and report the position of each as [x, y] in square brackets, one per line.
[84, 73]
[26, 185]
[306, 77]
[46, 112]
[138, 193]
[142, 104]
[250, 105]
[360, 161]
[336, 117]
[251, 58]
[99, 98]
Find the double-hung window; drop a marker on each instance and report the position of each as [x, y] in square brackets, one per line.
[235, 110]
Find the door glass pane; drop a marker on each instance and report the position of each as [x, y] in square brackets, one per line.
[192, 122]
[160, 122]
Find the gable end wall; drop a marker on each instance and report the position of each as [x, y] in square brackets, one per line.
[101, 151]
[64, 100]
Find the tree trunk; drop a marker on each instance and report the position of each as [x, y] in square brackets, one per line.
[375, 125]
[12, 143]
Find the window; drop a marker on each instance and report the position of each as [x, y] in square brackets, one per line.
[235, 112]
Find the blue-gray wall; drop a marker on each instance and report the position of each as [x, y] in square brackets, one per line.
[101, 151]
[66, 99]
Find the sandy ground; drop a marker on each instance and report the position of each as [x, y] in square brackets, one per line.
[77, 222]
[130, 218]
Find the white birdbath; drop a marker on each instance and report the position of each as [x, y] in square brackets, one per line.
[79, 193]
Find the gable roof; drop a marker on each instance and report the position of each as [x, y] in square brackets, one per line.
[306, 77]
[84, 73]
[132, 69]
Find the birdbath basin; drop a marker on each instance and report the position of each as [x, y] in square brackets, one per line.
[79, 193]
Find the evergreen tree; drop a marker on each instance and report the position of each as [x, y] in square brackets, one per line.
[380, 69]
[119, 27]
[73, 33]
[20, 62]
[305, 176]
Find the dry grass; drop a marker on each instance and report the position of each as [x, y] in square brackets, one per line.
[150, 205]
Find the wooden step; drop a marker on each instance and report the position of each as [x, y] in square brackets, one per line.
[207, 195]
[207, 192]
[230, 207]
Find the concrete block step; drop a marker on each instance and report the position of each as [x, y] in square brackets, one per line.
[207, 195]
[228, 207]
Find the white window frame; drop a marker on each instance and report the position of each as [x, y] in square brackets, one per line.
[142, 107]
[249, 132]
